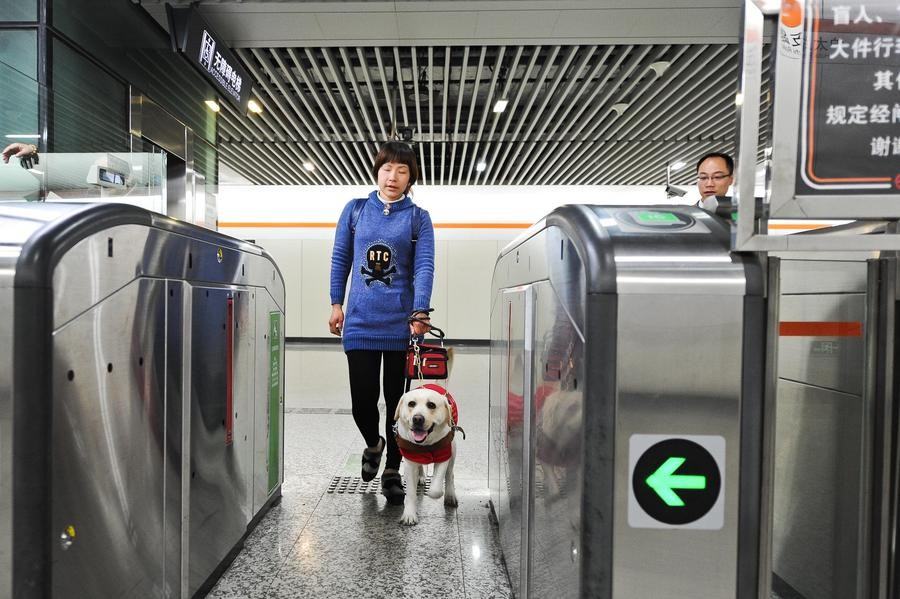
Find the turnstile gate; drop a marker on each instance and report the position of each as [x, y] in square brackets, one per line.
[141, 400]
[627, 348]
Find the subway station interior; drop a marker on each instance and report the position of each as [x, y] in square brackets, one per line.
[665, 290]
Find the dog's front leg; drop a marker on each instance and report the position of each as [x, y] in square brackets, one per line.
[411, 471]
[437, 479]
[450, 485]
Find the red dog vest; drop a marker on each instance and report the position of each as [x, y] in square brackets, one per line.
[436, 452]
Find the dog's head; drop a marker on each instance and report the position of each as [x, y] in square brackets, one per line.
[423, 416]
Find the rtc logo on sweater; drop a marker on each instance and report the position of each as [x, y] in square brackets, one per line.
[378, 258]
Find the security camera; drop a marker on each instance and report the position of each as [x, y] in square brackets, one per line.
[672, 191]
[405, 133]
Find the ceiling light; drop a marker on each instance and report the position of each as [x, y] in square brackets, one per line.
[500, 105]
[253, 106]
[309, 166]
[739, 99]
[481, 166]
[212, 105]
[659, 67]
[678, 165]
[23, 136]
[620, 107]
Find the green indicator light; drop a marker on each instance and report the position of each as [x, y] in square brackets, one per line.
[656, 217]
[664, 480]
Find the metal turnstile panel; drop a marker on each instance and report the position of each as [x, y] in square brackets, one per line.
[817, 490]
[6, 447]
[108, 453]
[680, 359]
[511, 512]
[497, 466]
[823, 359]
[822, 276]
[220, 470]
[558, 477]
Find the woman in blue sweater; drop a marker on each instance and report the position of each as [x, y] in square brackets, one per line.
[385, 244]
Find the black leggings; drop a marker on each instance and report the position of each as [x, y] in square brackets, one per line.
[364, 391]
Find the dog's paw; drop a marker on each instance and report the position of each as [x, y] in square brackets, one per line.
[450, 500]
[435, 491]
[409, 518]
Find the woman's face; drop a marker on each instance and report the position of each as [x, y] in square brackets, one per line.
[393, 179]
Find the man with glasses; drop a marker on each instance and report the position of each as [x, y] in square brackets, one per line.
[715, 174]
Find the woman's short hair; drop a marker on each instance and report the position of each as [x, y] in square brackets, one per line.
[397, 151]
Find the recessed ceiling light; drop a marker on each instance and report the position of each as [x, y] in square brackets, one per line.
[212, 105]
[659, 67]
[481, 166]
[620, 107]
[309, 166]
[253, 106]
[500, 105]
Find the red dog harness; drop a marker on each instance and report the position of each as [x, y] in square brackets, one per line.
[436, 452]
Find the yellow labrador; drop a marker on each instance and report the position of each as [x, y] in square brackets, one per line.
[425, 424]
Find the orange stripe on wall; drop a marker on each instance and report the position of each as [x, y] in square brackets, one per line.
[805, 226]
[820, 329]
[263, 225]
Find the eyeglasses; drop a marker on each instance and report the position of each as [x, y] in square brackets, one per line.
[717, 177]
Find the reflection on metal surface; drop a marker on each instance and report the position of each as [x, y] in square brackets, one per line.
[634, 331]
[131, 402]
[669, 258]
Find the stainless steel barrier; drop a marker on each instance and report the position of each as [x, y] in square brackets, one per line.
[834, 461]
[141, 404]
[625, 440]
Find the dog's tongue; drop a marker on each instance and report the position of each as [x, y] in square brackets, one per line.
[419, 436]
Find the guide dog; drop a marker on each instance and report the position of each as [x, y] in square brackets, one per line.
[425, 425]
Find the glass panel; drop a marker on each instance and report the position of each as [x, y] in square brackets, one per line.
[18, 80]
[90, 107]
[18, 10]
[126, 39]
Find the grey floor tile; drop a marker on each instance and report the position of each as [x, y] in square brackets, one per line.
[360, 556]
[321, 544]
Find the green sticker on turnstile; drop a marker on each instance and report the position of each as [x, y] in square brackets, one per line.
[654, 217]
[274, 398]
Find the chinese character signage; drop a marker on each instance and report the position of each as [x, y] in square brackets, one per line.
[204, 49]
[850, 111]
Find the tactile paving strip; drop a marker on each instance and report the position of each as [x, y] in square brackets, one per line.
[350, 485]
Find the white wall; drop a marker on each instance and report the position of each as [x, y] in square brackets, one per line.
[472, 224]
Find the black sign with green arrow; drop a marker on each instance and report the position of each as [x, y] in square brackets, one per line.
[676, 481]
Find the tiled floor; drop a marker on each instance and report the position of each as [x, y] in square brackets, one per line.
[337, 545]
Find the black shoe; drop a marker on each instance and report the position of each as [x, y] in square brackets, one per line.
[392, 488]
[371, 461]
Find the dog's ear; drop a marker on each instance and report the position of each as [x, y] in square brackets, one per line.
[449, 411]
[397, 411]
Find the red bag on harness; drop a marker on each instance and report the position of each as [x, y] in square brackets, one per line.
[427, 360]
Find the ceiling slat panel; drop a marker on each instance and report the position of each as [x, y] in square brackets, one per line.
[578, 113]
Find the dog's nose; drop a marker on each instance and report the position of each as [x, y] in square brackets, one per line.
[418, 420]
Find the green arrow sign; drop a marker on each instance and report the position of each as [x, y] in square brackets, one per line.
[663, 481]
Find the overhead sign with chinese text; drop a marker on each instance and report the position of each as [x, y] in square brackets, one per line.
[206, 51]
[849, 138]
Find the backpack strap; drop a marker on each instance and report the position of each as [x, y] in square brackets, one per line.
[415, 224]
[358, 204]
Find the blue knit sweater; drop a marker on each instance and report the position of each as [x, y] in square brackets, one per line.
[384, 288]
